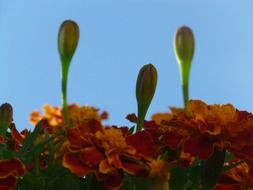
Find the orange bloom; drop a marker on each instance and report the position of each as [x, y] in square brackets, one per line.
[207, 127]
[10, 171]
[77, 115]
[54, 122]
[96, 149]
[108, 151]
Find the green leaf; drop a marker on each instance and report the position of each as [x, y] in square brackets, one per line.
[41, 145]
[90, 183]
[30, 140]
[230, 166]
[135, 183]
[211, 168]
[50, 145]
[131, 130]
[31, 182]
[179, 178]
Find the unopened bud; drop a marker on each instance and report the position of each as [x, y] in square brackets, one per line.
[184, 50]
[145, 90]
[6, 114]
[68, 37]
[184, 45]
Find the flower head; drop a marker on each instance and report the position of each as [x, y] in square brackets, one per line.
[204, 128]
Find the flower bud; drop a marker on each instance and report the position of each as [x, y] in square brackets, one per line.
[6, 114]
[68, 37]
[184, 50]
[145, 90]
[184, 45]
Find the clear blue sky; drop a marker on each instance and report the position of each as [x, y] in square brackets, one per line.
[117, 38]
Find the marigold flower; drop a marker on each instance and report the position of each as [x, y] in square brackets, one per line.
[204, 128]
[108, 151]
[77, 115]
[96, 149]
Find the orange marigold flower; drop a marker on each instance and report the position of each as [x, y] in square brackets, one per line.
[108, 151]
[93, 148]
[77, 115]
[10, 171]
[204, 128]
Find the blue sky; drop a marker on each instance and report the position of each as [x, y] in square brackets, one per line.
[116, 39]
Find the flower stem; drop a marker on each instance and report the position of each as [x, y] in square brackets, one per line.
[64, 79]
[159, 183]
[185, 75]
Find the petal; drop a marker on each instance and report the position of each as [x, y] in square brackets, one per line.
[74, 137]
[11, 167]
[91, 126]
[114, 181]
[105, 167]
[75, 165]
[134, 168]
[8, 183]
[1, 139]
[16, 135]
[244, 153]
[143, 142]
[173, 139]
[199, 146]
[228, 187]
[91, 156]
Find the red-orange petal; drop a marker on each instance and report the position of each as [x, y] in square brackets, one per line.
[244, 153]
[75, 165]
[16, 135]
[91, 156]
[91, 126]
[199, 146]
[12, 167]
[228, 187]
[74, 137]
[143, 142]
[173, 139]
[1, 139]
[114, 181]
[8, 183]
[134, 168]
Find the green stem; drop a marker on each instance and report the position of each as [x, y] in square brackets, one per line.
[159, 183]
[64, 80]
[139, 124]
[185, 75]
[142, 111]
[37, 163]
[211, 168]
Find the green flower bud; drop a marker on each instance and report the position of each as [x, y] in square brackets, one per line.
[184, 45]
[184, 50]
[68, 37]
[6, 113]
[145, 90]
